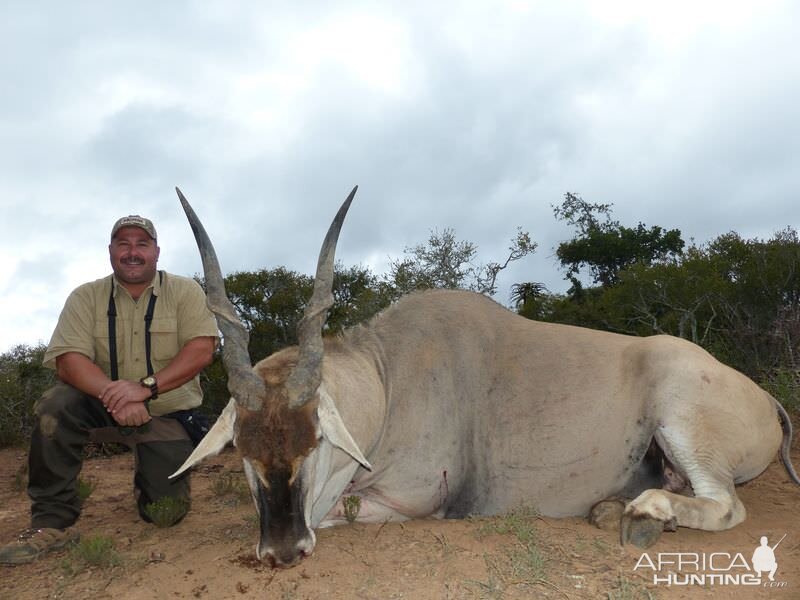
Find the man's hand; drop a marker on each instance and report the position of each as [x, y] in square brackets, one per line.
[118, 395]
[132, 415]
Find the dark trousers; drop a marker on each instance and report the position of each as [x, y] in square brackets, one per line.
[67, 420]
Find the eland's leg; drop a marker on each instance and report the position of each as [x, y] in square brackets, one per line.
[714, 507]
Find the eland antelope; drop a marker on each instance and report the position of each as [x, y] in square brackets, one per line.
[447, 404]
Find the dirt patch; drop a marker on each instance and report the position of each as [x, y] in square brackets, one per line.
[211, 553]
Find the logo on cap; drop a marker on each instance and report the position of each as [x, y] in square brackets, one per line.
[134, 221]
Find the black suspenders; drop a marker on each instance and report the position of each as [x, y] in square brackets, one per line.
[112, 329]
[112, 333]
[148, 318]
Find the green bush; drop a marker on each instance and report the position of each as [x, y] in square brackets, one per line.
[92, 551]
[85, 489]
[23, 379]
[166, 511]
[352, 506]
[784, 385]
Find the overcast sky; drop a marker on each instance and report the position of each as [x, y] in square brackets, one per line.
[476, 116]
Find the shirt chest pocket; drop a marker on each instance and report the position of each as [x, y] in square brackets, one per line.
[102, 347]
[164, 338]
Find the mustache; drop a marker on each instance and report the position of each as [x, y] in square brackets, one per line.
[132, 261]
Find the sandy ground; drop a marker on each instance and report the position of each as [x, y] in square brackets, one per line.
[211, 553]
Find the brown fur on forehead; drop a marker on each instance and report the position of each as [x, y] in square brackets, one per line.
[276, 438]
[275, 369]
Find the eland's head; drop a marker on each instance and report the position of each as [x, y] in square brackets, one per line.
[279, 417]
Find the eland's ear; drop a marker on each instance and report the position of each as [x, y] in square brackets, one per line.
[334, 430]
[214, 441]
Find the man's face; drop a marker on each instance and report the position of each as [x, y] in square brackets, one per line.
[134, 255]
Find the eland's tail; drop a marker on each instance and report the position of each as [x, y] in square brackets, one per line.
[786, 446]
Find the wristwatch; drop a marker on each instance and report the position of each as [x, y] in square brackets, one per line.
[150, 382]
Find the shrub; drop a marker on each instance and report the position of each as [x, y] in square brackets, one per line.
[84, 488]
[352, 506]
[166, 511]
[23, 379]
[92, 551]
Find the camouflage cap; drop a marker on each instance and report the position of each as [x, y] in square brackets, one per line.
[135, 221]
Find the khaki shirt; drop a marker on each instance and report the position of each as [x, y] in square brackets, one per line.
[180, 314]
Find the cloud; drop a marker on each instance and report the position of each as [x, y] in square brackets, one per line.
[470, 115]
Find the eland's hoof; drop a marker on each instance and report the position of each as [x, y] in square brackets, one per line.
[640, 530]
[607, 514]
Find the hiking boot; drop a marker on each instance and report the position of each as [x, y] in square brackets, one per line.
[32, 543]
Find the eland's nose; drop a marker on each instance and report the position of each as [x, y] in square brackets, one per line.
[283, 560]
[284, 557]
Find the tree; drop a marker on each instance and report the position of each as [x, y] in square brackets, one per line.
[358, 296]
[445, 262]
[270, 303]
[606, 246]
[761, 305]
[531, 300]
[521, 246]
[678, 297]
[521, 293]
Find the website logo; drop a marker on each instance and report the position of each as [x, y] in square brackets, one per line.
[714, 568]
[764, 557]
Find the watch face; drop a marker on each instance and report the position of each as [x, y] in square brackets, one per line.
[149, 381]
